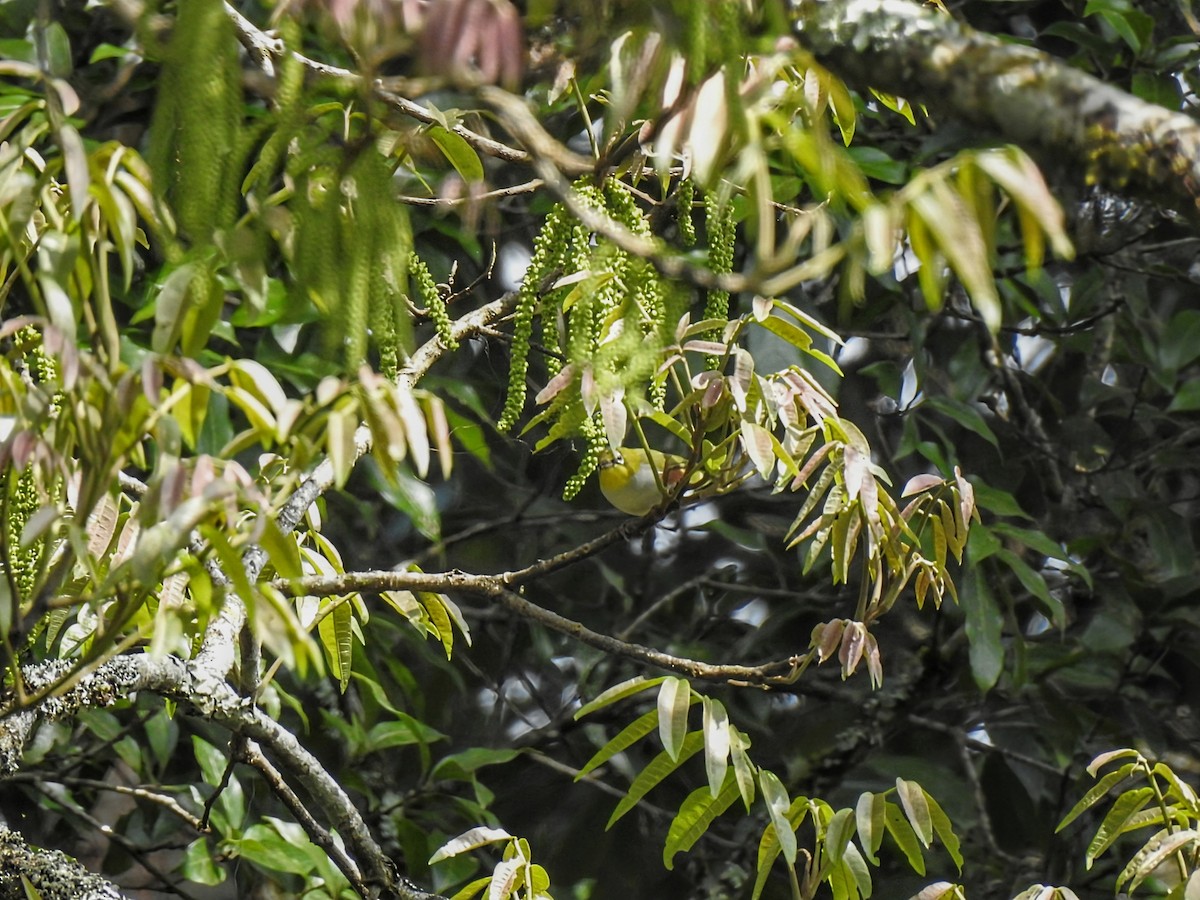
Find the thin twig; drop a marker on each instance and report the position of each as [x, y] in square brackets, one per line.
[251, 754]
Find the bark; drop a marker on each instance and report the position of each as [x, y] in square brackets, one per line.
[53, 874]
[1014, 92]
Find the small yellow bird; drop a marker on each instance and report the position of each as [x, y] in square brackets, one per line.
[627, 480]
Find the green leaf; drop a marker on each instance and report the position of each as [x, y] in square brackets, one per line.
[674, 700]
[793, 334]
[630, 735]
[1155, 852]
[1035, 584]
[658, 769]
[212, 761]
[869, 816]
[944, 830]
[904, 836]
[965, 415]
[838, 834]
[403, 731]
[769, 845]
[336, 635]
[1114, 824]
[984, 624]
[461, 766]
[460, 154]
[199, 866]
[618, 692]
[855, 867]
[695, 814]
[268, 848]
[1187, 397]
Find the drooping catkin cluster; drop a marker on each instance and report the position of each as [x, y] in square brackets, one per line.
[604, 312]
[196, 140]
[351, 252]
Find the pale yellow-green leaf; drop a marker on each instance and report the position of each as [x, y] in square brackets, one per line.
[339, 443]
[916, 808]
[776, 798]
[336, 639]
[674, 699]
[619, 692]
[743, 769]
[716, 743]
[469, 840]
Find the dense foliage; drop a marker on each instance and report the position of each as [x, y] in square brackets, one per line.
[319, 323]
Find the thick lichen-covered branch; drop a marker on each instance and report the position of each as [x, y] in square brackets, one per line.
[209, 698]
[53, 874]
[1016, 93]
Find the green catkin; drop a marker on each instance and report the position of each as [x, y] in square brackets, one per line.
[593, 433]
[685, 195]
[23, 498]
[194, 135]
[548, 252]
[433, 301]
[289, 115]
[719, 225]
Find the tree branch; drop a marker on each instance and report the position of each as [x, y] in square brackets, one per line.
[1018, 93]
[52, 873]
[217, 701]
[495, 587]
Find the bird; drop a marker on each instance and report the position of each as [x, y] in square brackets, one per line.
[627, 478]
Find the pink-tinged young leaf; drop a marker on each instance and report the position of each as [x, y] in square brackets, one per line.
[615, 415]
[708, 348]
[757, 442]
[556, 385]
[854, 643]
[939, 890]
[919, 483]
[827, 637]
[874, 662]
